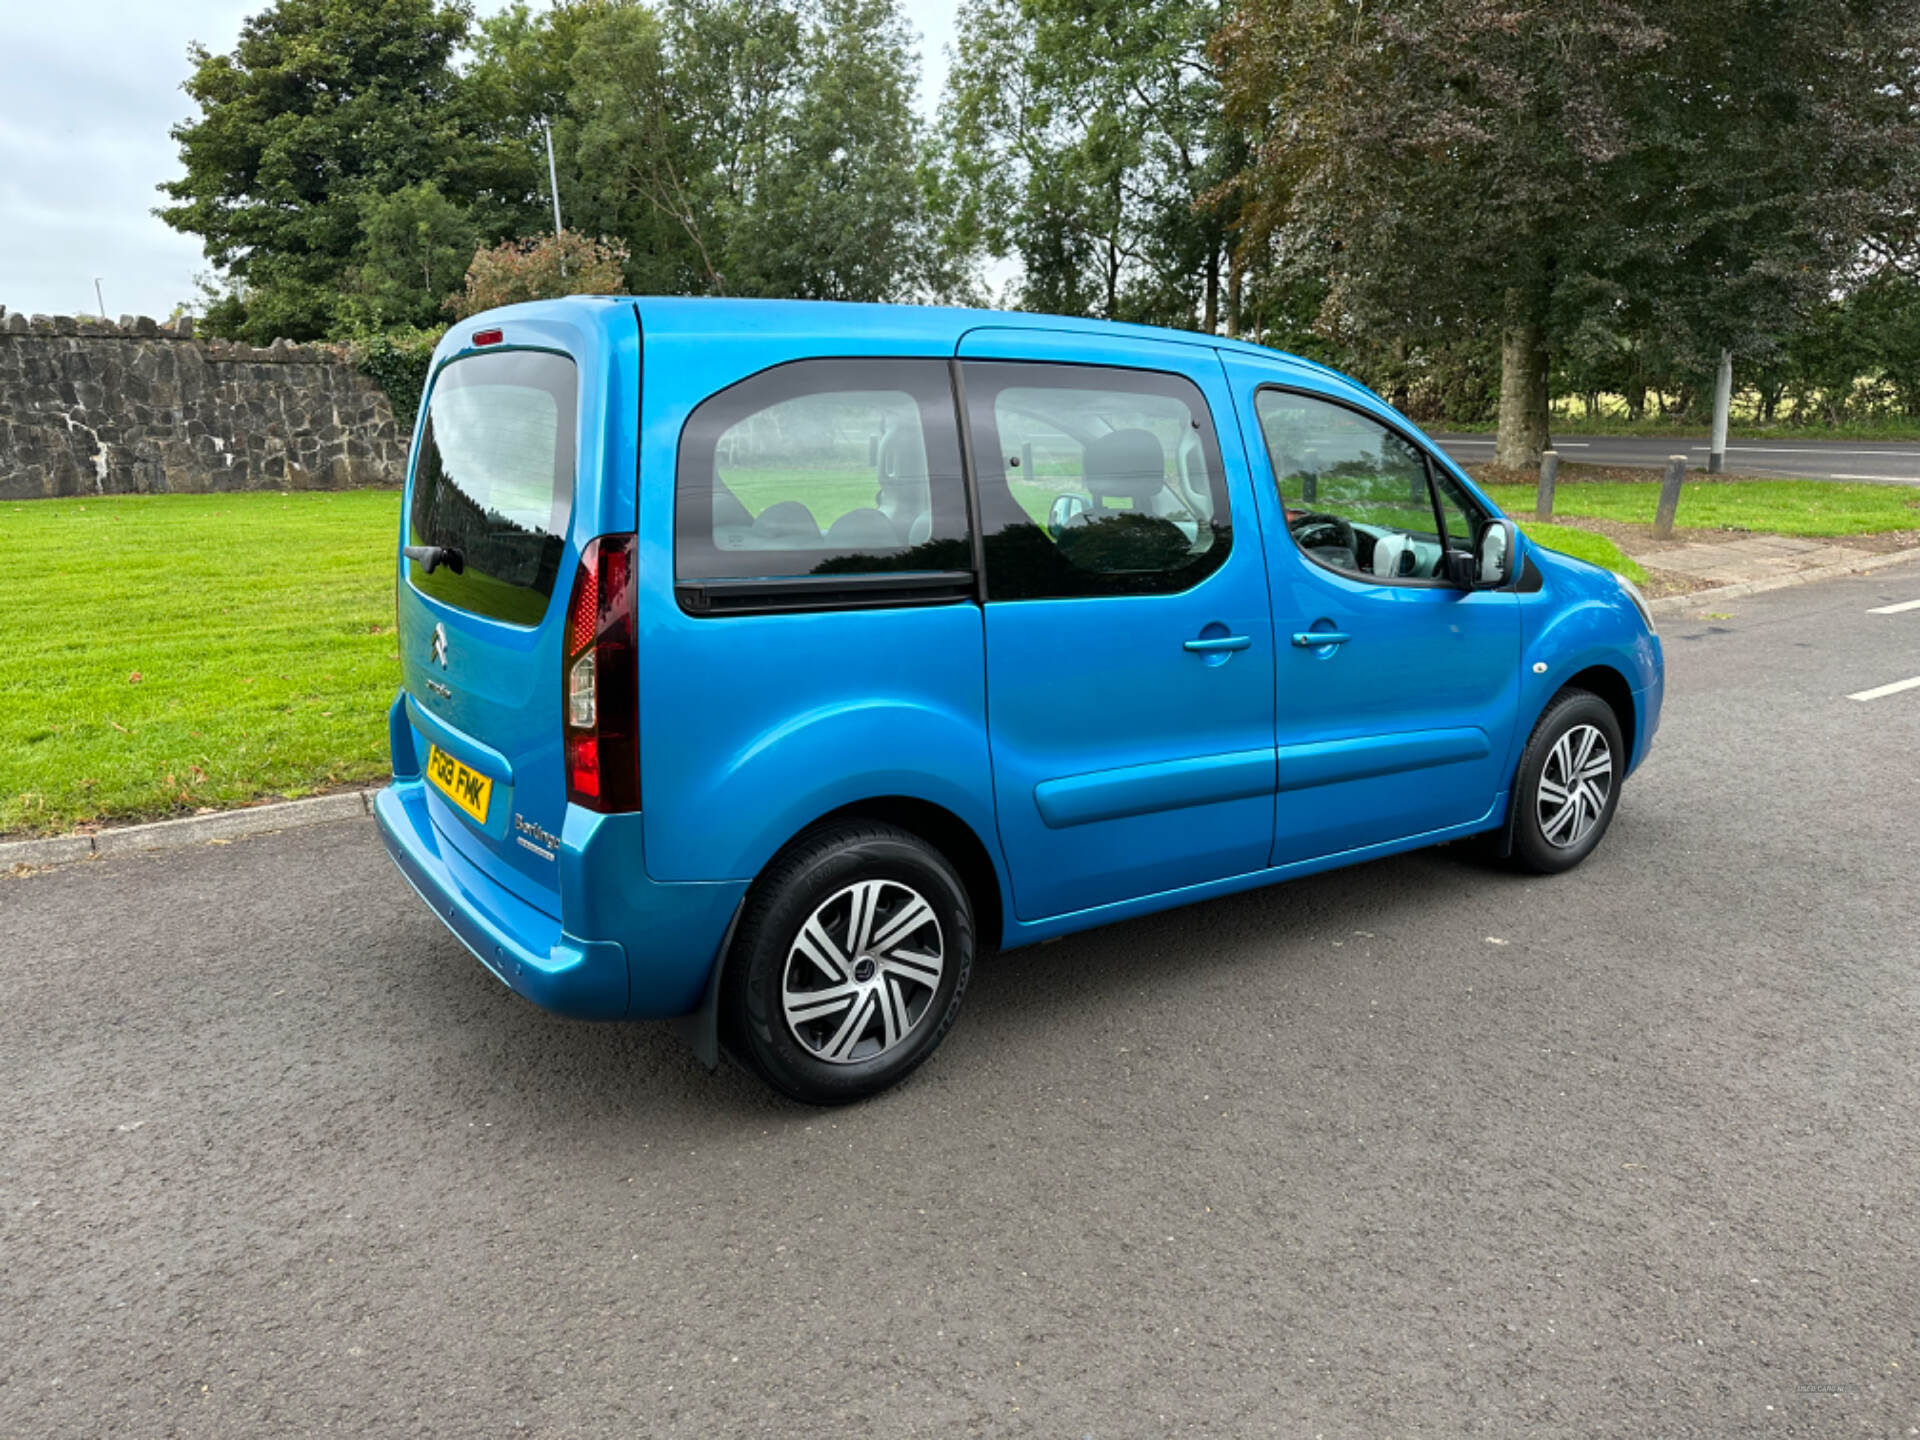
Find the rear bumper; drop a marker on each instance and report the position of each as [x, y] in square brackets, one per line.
[622, 946]
[522, 946]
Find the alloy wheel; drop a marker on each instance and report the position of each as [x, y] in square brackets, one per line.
[862, 972]
[1574, 785]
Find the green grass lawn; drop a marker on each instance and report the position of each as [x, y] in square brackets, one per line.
[170, 652]
[1571, 423]
[1585, 545]
[1782, 507]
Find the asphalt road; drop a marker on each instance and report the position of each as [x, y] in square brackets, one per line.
[1894, 462]
[1419, 1148]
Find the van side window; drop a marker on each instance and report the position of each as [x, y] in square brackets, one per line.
[1355, 494]
[1094, 481]
[823, 467]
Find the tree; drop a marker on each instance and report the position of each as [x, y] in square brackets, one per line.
[680, 116]
[543, 268]
[1428, 163]
[415, 245]
[521, 81]
[322, 105]
[1890, 317]
[743, 147]
[839, 215]
[1086, 138]
[1686, 173]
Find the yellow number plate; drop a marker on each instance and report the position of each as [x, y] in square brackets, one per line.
[465, 787]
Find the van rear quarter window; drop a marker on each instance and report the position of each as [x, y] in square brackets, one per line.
[493, 482]
[823, 467]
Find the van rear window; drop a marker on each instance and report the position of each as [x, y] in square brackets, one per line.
[493, 481]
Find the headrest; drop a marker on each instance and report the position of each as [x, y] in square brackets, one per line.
[786, 520]
[903, 459]
[1126, 462]
[862, 530]
[1391, 554]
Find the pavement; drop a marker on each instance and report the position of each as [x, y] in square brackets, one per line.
[1728, 562]
[1893, 462]
[1417, 1148]
[1724, 569]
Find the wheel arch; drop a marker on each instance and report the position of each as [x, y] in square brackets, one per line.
[1611, 686]
[957, 841]
[952, 836]
[1599, 679]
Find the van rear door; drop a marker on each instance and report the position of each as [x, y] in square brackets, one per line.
[485, 571]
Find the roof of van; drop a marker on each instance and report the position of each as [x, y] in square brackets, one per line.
[684, 315]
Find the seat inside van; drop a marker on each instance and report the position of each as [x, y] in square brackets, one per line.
[1125, 475]
[900, 517]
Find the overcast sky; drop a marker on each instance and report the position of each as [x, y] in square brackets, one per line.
[90, 89]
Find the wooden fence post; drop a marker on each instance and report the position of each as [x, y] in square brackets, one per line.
[1549, 473]
[1669, 497]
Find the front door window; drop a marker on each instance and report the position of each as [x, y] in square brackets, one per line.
[1355, 493]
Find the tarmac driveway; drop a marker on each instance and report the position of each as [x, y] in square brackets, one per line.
[1414, 1149]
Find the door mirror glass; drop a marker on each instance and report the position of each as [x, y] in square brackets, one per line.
[1496, 555]
[1066, 512]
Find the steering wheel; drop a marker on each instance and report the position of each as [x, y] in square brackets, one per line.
[1321, 531]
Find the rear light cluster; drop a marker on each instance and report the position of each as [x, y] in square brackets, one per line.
[600, 685]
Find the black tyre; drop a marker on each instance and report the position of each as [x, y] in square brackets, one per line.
[1568, 784]
[850, 962]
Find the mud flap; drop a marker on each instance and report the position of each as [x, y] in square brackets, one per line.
[701, 1029]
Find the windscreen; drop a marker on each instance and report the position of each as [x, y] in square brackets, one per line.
[493, 483]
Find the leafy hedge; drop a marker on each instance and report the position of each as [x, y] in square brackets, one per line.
[398, 361]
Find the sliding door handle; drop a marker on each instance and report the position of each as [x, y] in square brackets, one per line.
[1314, 639]
[1215, 644]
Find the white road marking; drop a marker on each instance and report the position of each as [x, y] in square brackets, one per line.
[1886, 479]
[1882, 690]
[1904, 605]
[1558, 445]
[1823, 450]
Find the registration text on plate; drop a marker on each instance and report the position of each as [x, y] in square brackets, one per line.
[463, 785]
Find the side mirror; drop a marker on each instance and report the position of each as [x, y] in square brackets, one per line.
[1065, 510]
[1489, 565]
[1497, 550]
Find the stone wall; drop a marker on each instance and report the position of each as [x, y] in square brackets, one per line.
[92, 408]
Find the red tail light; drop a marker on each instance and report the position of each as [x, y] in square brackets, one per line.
[600, 680]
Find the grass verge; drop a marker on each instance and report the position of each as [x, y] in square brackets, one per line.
[1585, 545]
[168, 653]
[1779, 507]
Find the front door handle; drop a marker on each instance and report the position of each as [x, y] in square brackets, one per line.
[1314, 639]
[1214, 644]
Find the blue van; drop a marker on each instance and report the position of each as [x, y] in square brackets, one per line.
[764, 660]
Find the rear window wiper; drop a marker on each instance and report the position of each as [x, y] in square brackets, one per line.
[430, 556]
